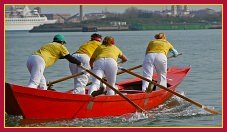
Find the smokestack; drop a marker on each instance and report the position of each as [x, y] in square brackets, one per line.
[81, 13]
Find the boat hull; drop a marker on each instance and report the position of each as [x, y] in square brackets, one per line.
[44, 104]
[22, 26]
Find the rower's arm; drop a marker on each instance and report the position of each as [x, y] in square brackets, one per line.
[174, 52]
[72, 59]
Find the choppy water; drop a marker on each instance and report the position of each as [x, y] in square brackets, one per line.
[202, 49]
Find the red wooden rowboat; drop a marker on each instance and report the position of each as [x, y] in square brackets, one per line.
[44, 104]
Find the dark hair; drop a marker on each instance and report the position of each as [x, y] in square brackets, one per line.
[95, 35]
[57, 41]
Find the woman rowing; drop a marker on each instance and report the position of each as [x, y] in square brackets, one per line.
[156, 57]
[46, 56]
[83, 54]
[104, 63]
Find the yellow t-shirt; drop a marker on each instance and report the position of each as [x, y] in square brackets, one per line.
[88, 48]
[52, 52]
[107, 52]
[159, 45]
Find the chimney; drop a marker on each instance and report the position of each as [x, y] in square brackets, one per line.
[81, 13]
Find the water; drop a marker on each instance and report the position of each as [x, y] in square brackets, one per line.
[202, 49]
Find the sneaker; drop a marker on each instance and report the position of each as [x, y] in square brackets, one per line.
[98, 92]
[150, 88]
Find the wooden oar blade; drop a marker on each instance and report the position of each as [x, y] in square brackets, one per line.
[211, 110]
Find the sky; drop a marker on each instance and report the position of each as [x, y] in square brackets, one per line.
[69, 9]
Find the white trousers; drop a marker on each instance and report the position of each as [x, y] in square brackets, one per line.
[80, 81]
[104, 67]
[36, 67]
[157, 61]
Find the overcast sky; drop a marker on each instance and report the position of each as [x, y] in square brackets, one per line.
[113, 8]
[46, 9]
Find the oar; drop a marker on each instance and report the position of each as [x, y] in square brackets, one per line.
[63, 79]
[118, 73]
[81, 73]
[175, 93]
[116, 91]
[121, 72]
[174, 56]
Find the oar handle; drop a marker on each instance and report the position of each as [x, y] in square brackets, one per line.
[174, 56]
[171, 91]
[65, 78]
[130, 69]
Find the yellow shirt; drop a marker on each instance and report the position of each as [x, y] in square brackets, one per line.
[88, 48]
[159, 46]
[107, 52]
[52, 52]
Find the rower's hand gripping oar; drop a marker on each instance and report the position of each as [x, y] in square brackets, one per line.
[173, 56]
[118, 92]
[175, 93]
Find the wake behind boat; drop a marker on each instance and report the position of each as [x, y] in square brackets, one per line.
[24, 19]
[44, 104]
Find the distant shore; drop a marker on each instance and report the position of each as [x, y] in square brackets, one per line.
[191, 26]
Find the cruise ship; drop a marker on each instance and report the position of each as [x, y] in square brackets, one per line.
[24, 19]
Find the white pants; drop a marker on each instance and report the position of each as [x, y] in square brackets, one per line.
[157, 61]
[36, 66]
[104, 67]
[80, 81]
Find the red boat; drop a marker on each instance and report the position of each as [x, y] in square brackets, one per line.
[45, 104]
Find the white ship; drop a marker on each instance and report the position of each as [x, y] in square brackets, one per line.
[24, 19]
